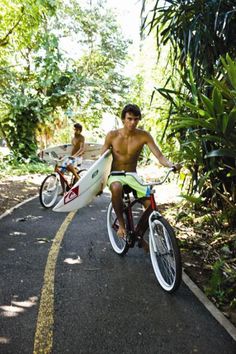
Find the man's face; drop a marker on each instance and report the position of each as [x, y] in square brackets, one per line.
[77, 131]
[130, 121]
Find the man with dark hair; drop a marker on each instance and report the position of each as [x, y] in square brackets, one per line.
[77, 151]
[131, 108]
[126, 144]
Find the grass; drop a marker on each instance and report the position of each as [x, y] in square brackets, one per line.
[11, 167]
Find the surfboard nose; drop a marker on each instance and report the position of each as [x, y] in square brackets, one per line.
[59, 206]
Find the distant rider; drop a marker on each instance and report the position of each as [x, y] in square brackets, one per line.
[71, 163]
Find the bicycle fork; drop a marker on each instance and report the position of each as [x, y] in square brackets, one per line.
[129, 223]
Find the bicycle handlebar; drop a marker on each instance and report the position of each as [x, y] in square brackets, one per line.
[140, 181]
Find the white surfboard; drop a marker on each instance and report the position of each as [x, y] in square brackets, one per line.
[91, 184]
[58, 152]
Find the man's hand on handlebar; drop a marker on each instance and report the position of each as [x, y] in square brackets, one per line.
[177, 167]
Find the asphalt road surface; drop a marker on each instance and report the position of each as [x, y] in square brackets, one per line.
[63, 290]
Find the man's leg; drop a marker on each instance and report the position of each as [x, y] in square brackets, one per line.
[117, 203]
[62, 185]
[72, 169]
[146, 203]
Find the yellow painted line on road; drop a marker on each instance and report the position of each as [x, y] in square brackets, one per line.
[43, 340]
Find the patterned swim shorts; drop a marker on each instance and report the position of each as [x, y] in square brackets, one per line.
[74, 161]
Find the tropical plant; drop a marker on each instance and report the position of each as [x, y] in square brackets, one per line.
[38, 78]
[201, 91]
[198, 31]
[206, 130]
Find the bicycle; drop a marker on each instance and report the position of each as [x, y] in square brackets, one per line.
[164, 251]
[55, 184]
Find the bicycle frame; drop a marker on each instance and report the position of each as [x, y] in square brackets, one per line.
[63, 179]
[137, 232]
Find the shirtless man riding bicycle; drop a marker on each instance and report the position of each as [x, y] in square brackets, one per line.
[71, 163]
[126, 144]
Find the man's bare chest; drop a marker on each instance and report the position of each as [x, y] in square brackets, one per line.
[127, 146]
[76, 141]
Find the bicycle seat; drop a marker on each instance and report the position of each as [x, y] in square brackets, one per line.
[127, 190]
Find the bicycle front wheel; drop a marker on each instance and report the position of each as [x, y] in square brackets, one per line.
[119, 245]
[164, 253]
[49, 191]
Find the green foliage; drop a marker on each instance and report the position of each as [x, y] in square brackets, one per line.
[201, 93]
[194, 199]
[40, 82]
[222, 280]
[10, 166]
[215, 283]
[199, 31]
[206, 130]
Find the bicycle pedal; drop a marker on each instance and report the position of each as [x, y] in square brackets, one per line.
[131, 243]
[140, 242]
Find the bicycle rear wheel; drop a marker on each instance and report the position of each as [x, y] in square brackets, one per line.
[49, 191]
[82, 172]
[164, 253]
[119, 245]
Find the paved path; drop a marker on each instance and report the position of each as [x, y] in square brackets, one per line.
[63, 290]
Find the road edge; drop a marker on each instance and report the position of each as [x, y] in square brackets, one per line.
[9, 211]
[215, 312]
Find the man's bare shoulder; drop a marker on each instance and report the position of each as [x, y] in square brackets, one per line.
[82, 137]
[143, 133]
[113, 133]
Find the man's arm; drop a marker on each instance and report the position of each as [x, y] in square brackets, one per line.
[158, 154]
[107, 144]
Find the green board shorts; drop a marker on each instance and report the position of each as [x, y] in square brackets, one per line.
[142, 191]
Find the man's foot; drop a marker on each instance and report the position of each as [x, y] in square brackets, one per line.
[144, 245]
[121, 233]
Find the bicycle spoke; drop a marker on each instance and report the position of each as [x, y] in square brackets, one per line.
[168, 269]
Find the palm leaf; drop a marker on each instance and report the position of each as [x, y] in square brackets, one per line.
[208, 105]
[221, 153]
[217, 101]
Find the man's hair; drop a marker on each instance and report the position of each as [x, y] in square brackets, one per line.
[131, 108]
[78, 126]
